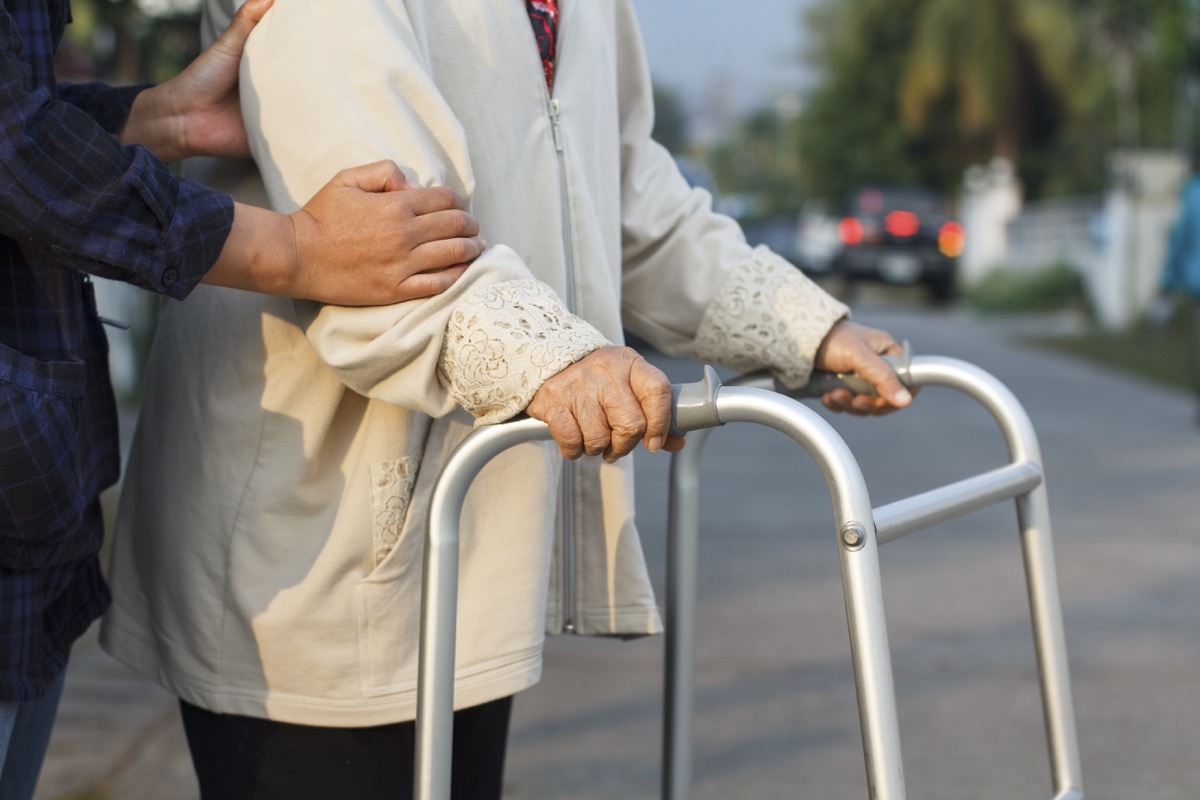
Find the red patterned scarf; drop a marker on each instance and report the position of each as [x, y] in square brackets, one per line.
[544, 15]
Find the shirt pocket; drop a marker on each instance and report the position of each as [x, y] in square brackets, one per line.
[41, 480]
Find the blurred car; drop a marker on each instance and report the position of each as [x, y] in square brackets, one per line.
[899, 235]
[817, 241]
[777, 232]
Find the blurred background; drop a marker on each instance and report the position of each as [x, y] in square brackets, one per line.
[1034, 149]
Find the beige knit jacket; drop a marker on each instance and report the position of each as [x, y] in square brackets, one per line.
[268, 549]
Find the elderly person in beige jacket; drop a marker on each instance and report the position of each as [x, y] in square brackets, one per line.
[266, 564]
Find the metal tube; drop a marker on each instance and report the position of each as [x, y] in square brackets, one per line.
[1033, 513]
[859, 557]
[858, 550]
[683, 534]
[1022, 480]
[954, 500]
[439, 601]
[1050, 644]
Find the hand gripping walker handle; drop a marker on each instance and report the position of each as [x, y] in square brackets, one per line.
[822, 382]
[694, 405]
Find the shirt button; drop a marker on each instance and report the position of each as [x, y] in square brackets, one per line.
[169, 276]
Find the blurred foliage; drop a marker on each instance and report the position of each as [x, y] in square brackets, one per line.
[670, 120]
[761, 161]
[129, 41]
[914, 91]
[1004, 291]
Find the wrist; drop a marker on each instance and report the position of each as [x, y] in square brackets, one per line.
[260, 254]
[154, 123]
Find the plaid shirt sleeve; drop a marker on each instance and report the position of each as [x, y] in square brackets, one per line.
[110, 210]
[106, 105]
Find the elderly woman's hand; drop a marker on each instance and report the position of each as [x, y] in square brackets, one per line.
[605, 403]
[850, 347]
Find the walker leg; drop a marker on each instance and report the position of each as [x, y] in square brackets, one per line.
[873, 682]
[1033, 514]
[683, 526]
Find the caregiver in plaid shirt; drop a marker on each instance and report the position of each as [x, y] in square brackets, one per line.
[77, 197]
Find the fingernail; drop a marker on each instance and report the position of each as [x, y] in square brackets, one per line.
[655, 444]
[904, 397]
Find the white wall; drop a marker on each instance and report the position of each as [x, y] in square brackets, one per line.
[1117, 242]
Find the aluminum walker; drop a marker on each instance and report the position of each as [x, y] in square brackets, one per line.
[859, 530]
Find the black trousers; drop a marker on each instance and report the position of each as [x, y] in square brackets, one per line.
[246, 758]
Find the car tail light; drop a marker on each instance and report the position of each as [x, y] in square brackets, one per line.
[951, 239]
[850, 230]
[902, 224]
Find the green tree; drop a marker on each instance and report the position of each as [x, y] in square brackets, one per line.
[1000, 62]
[1145, 49]
[919, 89]
[761, 163]
[850, 132]
[670, 120]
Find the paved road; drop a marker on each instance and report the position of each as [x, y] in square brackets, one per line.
[775, 706]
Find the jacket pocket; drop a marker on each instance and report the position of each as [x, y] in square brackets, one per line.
[389, 597]
[388, 626]
[41, 481]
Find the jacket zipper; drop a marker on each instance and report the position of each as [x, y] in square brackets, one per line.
[568, 472]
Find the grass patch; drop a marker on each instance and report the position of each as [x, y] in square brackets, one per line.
[1005, 291]
[1157, 353]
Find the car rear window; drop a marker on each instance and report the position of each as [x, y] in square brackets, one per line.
[876, 202]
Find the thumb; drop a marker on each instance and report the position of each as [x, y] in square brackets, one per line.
[881, 375]
[233, 38]
[378, 176]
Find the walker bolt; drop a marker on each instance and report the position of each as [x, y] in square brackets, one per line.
[854, 536]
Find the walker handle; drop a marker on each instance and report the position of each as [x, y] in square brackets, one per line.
[694, 405]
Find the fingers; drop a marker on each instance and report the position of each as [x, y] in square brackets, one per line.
[386, 176]
[432, 226]
[430, 200]
[605, 404]
[653, 393]
[251, 11]
[443, 253]
[428, 284]
[850, 347]
[881, 375]
[378, 176]
[233, 38]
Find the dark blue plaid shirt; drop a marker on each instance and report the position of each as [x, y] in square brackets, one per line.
[72, 201]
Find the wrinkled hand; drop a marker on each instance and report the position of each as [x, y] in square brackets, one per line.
[368, 238]
[605, 403]
[850, 347]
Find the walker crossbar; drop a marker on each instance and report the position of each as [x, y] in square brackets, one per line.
[1020, 480]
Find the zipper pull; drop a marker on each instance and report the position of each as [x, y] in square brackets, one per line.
[555, 127]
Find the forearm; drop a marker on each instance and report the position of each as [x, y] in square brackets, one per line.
[259, 255]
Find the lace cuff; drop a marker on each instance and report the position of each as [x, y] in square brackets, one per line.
[504, 342]
[768, 314]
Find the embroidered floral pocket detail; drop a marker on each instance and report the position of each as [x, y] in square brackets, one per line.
[391, 489]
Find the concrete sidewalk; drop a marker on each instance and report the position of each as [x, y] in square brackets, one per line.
[776, 714]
